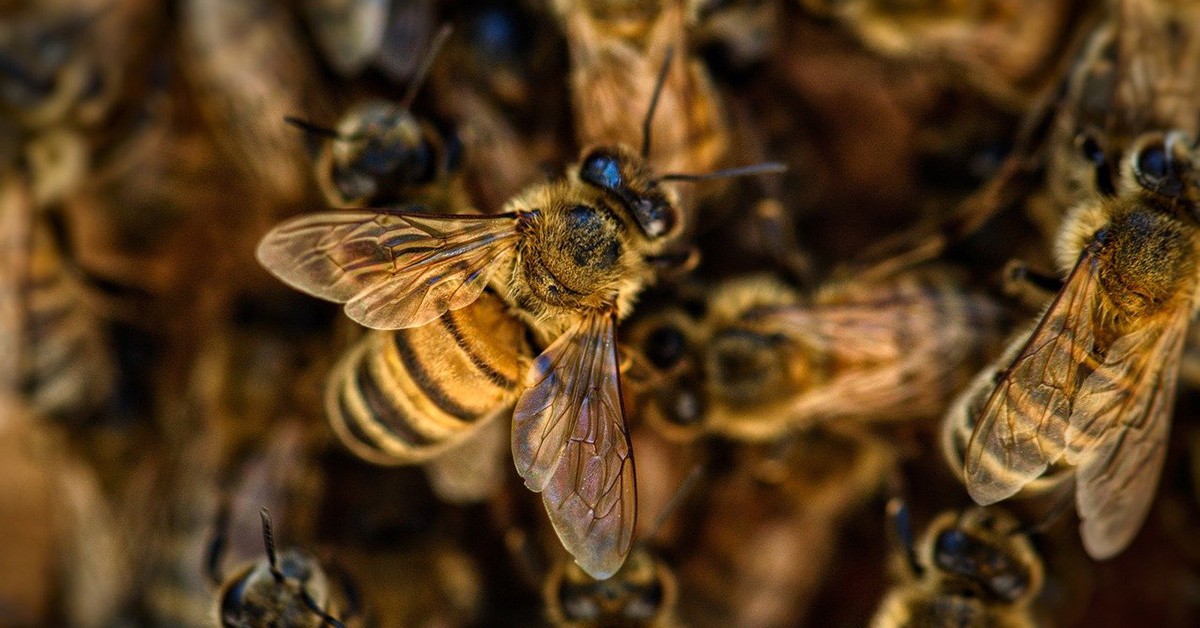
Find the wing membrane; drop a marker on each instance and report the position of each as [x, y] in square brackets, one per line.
[1118, 433]
[570, 443]
[393, 270]
[1022, 427]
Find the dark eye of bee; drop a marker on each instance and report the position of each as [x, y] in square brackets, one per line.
[601, 170]
[1152, 162]
[665, 347]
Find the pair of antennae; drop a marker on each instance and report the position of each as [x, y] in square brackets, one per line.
[769, 167]
[273, 562]
[406, 103]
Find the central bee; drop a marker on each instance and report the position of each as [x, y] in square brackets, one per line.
[566, 258]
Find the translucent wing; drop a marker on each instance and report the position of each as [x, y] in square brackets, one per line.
[1118, 432]
[1022, 426]
[569, 442]
[393, 270]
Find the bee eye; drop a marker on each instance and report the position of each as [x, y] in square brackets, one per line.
[665, 347]
[1152, 163]
[601, 170]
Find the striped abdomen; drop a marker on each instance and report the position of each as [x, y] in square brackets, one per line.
[54, 350]
[404, 396]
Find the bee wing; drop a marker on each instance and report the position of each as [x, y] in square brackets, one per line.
[1022, 426]
[1118, 432]
[570, 443]
[393, 270]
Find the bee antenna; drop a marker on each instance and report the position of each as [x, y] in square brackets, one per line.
[897, 512]
[216, 547]
[658, 87]
[312, 606]
[269, 542]
[312, 127]
[422, 72]
[769, 167]
[685, 488]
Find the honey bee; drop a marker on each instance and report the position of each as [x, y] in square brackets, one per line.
[1092, 385]
[381, 153]
[56, 353]
[566, 259]
[614, 47]
[974, 568]
[286, 589]
[246, 63]
[1007, 49]
[761, 362]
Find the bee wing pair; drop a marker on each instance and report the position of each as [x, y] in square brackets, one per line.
[397, 270]
[1107, 414]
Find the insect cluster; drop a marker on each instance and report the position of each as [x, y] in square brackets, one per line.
[589, 312]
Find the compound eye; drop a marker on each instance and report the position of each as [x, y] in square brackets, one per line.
[1152, 163]
[665, 347]
[601, 170]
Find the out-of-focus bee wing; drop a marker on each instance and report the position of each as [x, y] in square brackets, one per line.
[570, 443]
[471, 470]
[393, 270]
[348, 33]
[1022, 426]
[1118, 432]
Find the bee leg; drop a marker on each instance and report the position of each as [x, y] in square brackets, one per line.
[675, 262]
[1019, 280]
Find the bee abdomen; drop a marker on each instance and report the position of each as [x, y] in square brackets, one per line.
[403, 396]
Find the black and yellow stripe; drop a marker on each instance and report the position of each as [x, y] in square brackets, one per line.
[402, 397]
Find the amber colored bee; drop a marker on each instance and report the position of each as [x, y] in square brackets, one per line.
[381, 153]
[974, 568]
[1007, 49]
[248, 69]
[761, 361]
[55, 351]
[615, 49]
[285, 589]
[1092, 385]
[566, 257]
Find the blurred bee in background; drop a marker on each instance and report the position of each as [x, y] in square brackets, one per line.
[288, 589]
[65, 560]
[1009, 50]
[974, 568]
[759, 362]
[248, 70]
[380, 153]
[764, 537]
[568, 257]
[54, 350]
[614, 49]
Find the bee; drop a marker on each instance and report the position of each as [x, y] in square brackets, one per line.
[761, 362]
[248, 67]
[286, 589]
[565, 259]
[974, 568]
[1007, 49]
[381, 153]
[1092, 385]
[56, 352]
[614, 47]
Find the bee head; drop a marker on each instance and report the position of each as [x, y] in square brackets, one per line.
[257, 596]
[639, 592]
[983, 548]
[378, 143]
[627, 178]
